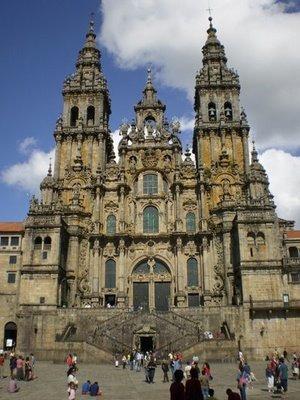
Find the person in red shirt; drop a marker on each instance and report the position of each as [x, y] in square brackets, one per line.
[232, 395]
[177, 388]
[1, 366]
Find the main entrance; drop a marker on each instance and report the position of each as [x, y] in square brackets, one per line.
[10, 335]
[151, 285]
[146, 343]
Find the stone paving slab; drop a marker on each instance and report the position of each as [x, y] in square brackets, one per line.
[118, 384]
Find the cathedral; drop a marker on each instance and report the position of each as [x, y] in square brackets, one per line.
[155, 251]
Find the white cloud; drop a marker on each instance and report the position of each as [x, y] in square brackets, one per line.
[26, 145]
[28, 175]
[259, 38]
[283, 170]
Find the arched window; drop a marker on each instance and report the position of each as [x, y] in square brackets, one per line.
[110, 274]
[192, 272]
[111, 225]
[293, 252]
[190, 222]
[142, 268]
[47, 243]
[150, 220]
[212, 111]
[74, 116]
[150, 184]
[38, 243]
[228, 111]
[251, 239]
[90, 115]
[260, 238]
[10, 335]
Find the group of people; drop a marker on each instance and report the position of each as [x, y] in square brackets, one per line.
[21, 369]
[88, 388]
[277, 371]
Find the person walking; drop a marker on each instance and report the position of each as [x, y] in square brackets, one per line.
[20, 368]
[177, 387]
[193, 389]
[151, 369]
[270, 377]
[124, 361]
[283, 375]
[242, 381]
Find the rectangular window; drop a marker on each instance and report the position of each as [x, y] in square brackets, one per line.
[11, 278]
[14, 241]
[150, 184]
[295, 277]
[4, 240]
[44, 255]
[42, 300]
[193, 300]
[13, 259]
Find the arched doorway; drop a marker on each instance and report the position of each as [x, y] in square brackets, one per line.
[10, 335]
[151, 281]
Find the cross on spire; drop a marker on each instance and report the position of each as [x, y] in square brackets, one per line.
[92, 22]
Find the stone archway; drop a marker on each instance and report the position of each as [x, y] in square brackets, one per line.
[151, 285]
[10, 336]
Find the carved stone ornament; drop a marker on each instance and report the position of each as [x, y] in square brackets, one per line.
[84, 285]
[149, 158]
[112, 171]
[190, 249]
[189, 205]
[219, 284]
[111, 206]
[109, 250]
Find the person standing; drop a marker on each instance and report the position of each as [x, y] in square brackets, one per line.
[2, 365]
[193, 389]
[71, 391]
[187, 370]
[165, 369]
[177, 388]
[204, 384]
[20, 368]
[283, 374]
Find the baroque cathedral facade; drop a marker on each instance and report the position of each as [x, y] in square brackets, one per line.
[157, 243]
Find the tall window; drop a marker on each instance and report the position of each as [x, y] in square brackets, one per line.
[190, 222]
[38, 243]
[293, 252]
[90, 115]
[111, 225]
[150, 184]
[74, 116]
[192, 272]
[150, 221]
[47, 243]
[110, 274]
[212, 111]
[228, 111]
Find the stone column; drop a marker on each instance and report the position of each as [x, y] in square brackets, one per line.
[71, 268]
[90, 152]
[228, 271]
[180, 267]
[122, 209]
[96, 249]
[121, 275]
[206, 265]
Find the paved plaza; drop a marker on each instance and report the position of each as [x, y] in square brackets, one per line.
[118, 384]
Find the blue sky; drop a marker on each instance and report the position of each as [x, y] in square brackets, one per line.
[39, 41]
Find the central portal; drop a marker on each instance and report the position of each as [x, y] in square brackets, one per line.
[146, 343]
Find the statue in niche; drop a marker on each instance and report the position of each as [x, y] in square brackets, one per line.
[226, 189]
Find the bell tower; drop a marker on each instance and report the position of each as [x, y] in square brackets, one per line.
[83, 142]
[220, 140]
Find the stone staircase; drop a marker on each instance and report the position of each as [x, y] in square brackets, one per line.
[172, 331]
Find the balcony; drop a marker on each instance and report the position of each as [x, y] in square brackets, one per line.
[277, 307]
